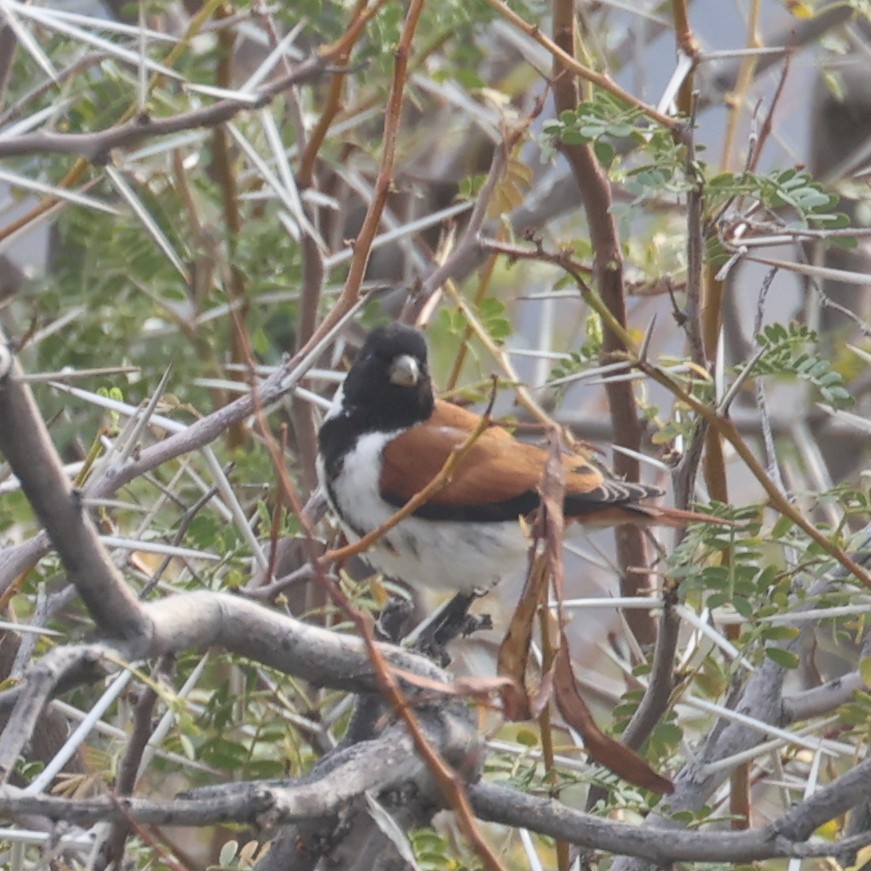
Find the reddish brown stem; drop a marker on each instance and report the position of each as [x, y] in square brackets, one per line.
[595, 193]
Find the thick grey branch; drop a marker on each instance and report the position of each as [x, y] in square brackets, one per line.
[825, 698]
[492, 802]
[203, 812]
[203, 619]
[500, 804]
[387, 762]
[827, 803]
[377, 764]
[822, 699]
[329, 659]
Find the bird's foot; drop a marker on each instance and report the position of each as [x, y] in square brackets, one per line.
[451, 621]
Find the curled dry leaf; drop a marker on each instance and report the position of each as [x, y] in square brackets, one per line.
[514, 650]
[606, 751]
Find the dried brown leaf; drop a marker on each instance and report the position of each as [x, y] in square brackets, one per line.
[603, 749]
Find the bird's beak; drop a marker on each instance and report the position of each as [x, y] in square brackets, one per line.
[404, 371]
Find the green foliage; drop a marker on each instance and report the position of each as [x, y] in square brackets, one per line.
[751, 580]
[239, 857]
[856, 714]
[470, 186]
[596, 122]
[434, 853]
[492, 314]
[517, 769]
[666, 736]
[790, 187]
[584, 358]
[660, 166]
[785, 658]
[495, 319]
[14, 508]
[854, 501]
[789, 350]
[746, 582]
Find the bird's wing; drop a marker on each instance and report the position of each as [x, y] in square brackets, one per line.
[498, 476]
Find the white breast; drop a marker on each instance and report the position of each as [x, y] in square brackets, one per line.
[443, 554]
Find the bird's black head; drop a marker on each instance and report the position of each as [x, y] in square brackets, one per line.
[389, 386]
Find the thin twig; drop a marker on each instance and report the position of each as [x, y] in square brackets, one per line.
[564, 59]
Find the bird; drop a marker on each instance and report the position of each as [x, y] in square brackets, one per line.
[386, 436]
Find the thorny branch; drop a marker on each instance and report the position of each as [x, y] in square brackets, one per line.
[155, 629]
[274, 802]
[198, 620]
[762, 696]
[595, 195]
[96, 146]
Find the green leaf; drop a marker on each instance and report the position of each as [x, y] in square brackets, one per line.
[865, 670]
[781, 633]
[527, 738]
[494, 314]
[743, 606]
[604, 152]
[791, 350]
[785, 658]
[228, 852]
